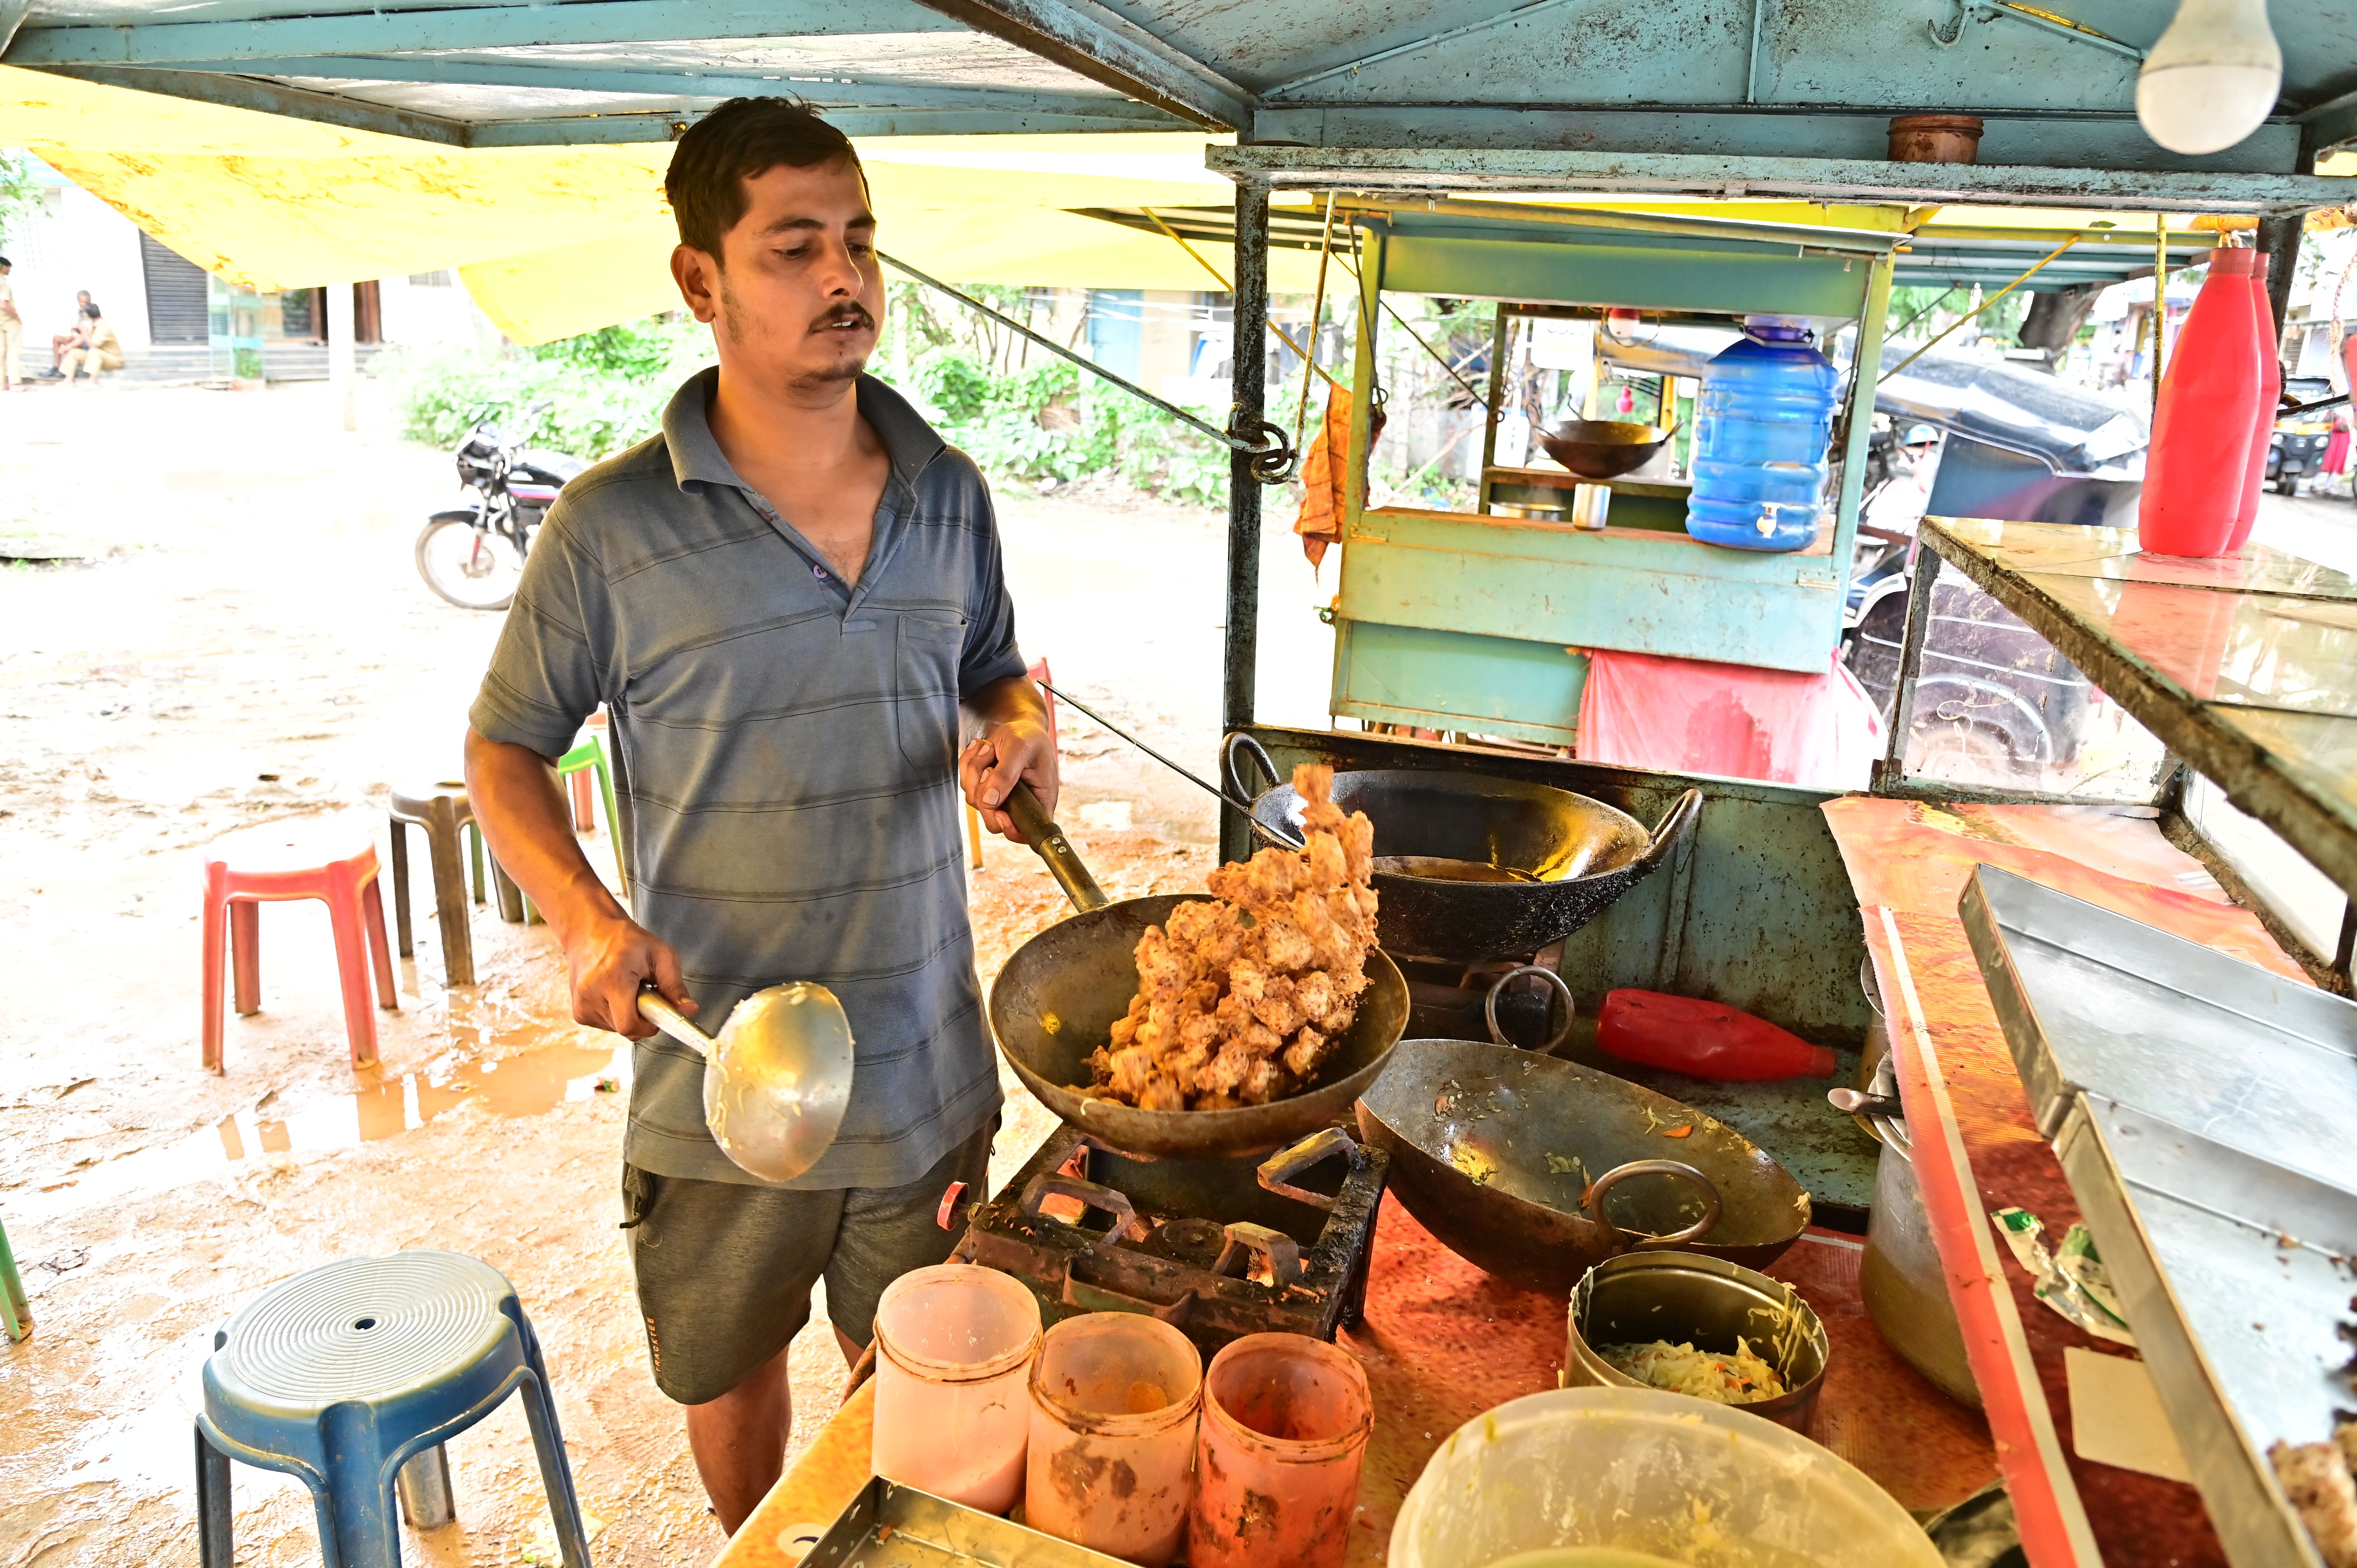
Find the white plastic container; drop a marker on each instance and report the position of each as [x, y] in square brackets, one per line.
[1640, 1470]
[953, 1349]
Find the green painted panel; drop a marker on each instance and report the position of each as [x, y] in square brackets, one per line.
[1637, 590]
[1644, 277]
[1449, 681]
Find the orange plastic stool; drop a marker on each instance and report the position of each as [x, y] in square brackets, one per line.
[246, 870]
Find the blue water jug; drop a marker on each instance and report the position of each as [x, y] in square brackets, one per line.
[1761, 439]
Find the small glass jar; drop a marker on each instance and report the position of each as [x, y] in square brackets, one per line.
[1285, 1428]
[1111, 1466]
[953, 1349]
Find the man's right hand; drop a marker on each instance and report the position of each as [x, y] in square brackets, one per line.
[610, 959]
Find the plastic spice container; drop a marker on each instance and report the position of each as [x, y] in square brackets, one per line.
[953, 1349]
[1113, 1401]
[1286, 1420]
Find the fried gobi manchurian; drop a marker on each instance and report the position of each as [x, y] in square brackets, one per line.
[1241, 997]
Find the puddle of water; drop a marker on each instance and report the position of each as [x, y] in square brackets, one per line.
[531, 1083]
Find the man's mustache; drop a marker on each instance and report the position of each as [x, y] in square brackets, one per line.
[852, 315]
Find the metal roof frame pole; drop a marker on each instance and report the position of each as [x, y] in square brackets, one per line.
[2278, 241]
[1248, 364]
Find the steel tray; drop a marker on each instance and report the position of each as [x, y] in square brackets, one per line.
[891, 1526]
[2093, 1000]
[2201, 1108]
[2236, 1275]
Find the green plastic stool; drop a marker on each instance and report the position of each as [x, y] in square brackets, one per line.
[591, 753]
[12, 1293]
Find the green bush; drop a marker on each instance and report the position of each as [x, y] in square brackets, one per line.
[595, 394]
[591, 396]
[1043, 423]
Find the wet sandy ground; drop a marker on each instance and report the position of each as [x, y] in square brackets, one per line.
[249, 642]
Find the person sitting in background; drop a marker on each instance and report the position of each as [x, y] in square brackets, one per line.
[100, 349]
[12, 331]
[70, 339]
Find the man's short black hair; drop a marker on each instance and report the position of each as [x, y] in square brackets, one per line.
[4, 261]
[741, 140]
[91, 310]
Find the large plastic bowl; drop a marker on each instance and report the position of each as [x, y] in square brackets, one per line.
[1640, 1470]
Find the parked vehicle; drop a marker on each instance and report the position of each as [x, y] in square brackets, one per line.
[2018, 444]
[2297, 447]
[474, 557]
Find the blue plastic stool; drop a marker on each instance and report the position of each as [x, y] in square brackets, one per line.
[346, 1373]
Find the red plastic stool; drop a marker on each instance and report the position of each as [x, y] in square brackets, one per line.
[246, 870]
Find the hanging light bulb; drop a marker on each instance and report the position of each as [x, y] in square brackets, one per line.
[2212, 77]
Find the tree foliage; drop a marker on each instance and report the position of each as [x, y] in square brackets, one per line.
[20, 192]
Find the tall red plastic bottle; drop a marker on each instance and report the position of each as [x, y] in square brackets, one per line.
[2270, 394]
[2202, 432]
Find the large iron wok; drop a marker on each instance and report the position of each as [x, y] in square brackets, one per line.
[1473, 867]
[1056, 1000]
[1602, 448]
[1537, 1170]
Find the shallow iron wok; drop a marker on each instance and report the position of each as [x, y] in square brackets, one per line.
[1537, 1170]
[1474, 867]
[1056, 1000]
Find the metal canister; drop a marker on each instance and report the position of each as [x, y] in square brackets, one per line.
[1900, 1279]
[1689, 1299]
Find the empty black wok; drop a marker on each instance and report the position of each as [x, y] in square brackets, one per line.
[1056, 1000]
[1561, 859]
[1495, 1150]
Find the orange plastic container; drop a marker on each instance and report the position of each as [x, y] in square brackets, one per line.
[1111, 1466]
[953, 1349]
[1286, 1420]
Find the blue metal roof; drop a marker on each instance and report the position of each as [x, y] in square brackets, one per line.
[1668, 96]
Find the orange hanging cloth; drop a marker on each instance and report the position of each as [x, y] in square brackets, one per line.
[1325, 473]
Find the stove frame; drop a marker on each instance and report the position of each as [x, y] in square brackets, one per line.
[1277, 1245]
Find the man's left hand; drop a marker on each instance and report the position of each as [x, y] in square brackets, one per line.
[1008, 750]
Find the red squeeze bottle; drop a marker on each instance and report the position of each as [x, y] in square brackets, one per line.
[1703, 1039]
[2201, 431]
[2270, 395]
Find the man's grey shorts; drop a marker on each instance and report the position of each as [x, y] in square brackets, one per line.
[725, 1270]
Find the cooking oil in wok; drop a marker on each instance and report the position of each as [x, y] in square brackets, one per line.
[1437, 868]
[1584, 1557]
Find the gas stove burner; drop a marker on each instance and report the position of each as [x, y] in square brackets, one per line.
[1218, 1248]
[1196, 1241]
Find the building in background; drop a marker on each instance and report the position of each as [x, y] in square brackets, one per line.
[156, 298]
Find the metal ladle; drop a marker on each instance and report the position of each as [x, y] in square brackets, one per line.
[776, 1081]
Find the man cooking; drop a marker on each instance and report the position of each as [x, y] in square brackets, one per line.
[784, 600]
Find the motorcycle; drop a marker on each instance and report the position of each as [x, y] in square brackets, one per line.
[474, 557]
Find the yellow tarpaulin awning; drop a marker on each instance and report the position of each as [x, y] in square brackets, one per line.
[555, 241]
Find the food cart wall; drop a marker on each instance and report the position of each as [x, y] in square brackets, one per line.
[1459, 621]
